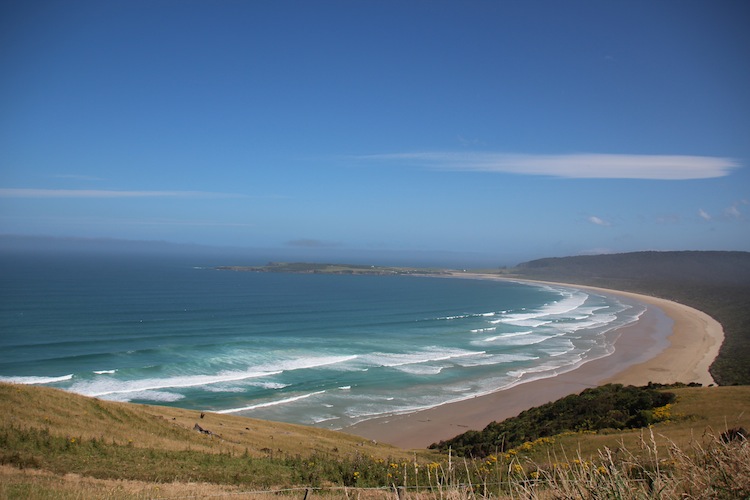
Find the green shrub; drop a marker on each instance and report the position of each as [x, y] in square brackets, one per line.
[612, 406]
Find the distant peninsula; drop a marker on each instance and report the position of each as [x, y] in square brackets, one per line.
[315, 268]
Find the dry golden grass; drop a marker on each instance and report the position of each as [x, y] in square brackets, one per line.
[167, 428]
[39, 484]
[698, 412]
[681, 458]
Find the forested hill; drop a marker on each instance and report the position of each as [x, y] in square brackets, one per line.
[717, 283]
[707, 268]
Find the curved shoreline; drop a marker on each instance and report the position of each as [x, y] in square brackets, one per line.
[645, 351]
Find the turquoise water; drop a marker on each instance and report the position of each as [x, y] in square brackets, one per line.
[313, 349]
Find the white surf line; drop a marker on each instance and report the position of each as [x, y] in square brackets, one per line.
[270, 403]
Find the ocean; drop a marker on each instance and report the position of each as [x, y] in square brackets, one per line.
[324, 350]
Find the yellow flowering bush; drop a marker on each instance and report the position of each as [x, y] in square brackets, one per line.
[662, 413]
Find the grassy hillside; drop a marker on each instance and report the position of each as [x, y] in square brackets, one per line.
[717, 283]
[57, 445]
[172, 429]
[62, 433]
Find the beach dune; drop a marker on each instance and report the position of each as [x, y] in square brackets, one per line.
[669, 343]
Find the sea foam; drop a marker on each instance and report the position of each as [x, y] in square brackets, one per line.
[36, 380]
[270, 403]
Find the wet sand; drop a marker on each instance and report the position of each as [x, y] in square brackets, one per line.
[669, 343]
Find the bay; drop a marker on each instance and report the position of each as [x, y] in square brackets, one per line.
[326, 350]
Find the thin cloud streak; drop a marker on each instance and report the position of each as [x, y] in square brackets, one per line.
[98, 193]
[576, 166]
[598, 221]
[733, 212]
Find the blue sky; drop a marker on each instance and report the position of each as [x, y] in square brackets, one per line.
[496, 130]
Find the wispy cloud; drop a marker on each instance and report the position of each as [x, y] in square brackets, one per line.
[598, 221]
[99, 193]
[580, 166]
[733, 211]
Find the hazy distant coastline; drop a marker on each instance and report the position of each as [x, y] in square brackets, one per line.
[351, 269]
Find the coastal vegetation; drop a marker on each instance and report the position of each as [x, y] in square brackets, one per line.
[610, 406]
[55, 444]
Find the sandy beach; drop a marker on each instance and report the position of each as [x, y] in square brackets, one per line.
[669, 343]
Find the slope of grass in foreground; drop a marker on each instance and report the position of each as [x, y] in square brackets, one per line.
[53, 444]
[54, 430]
